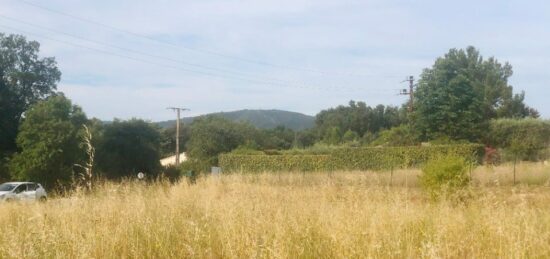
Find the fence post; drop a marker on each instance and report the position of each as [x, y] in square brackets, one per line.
[391, 176]
[515, 161]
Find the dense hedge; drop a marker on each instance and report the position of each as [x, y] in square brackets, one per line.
[260, 163]
[346, 158]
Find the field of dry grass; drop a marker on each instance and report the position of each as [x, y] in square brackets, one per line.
[314, 215]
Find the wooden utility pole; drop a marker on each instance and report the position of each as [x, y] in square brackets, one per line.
[178, 111]
[410, 92]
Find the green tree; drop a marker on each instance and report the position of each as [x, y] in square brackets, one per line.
[49, 139]
[127, 148]
[213, 135]
[357, 117]
[523, 139]
[333, 136]
[461, 93]
[277, 138]
[306, 138]
[168, 140]
[350, 136]
[25, 78]
[402, 135]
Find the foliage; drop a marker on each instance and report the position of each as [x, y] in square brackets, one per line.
[24, 80]
[270, 119]
[49, 142]
[127, 148]
[444, 174]
[274, 163]
[332, 136]
[4, 173]
[398, 157]
[212, 135]
[196, 166]
[357, 117]
[262, 119]
[168, 140]
[305, 138]
[520, 138]
[346, 158]
[350, 136]
[277, 138]
[172, 173]
[461, 93]
[402, 135]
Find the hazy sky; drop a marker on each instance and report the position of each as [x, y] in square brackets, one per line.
[135, 58]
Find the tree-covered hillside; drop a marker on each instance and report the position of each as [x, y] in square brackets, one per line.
[263, 119]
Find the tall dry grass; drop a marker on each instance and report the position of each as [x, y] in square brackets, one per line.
[339, 215]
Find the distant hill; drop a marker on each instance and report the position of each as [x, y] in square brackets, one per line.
[265, 119]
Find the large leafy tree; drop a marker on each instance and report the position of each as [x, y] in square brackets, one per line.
[461, 93]
[25, 78]
[128, 147]
[49, 139]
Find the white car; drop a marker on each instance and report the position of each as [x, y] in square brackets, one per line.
[22, 191]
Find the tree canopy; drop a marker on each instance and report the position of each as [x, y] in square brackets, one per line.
[126, 148]
[522, 138]
[213, 135]
[461, 93]
[25, 78]
[49, 142]
[333, 123]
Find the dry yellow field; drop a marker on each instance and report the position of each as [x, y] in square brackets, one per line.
[314, 215]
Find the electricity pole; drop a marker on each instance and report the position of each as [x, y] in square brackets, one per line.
[410, 93]
[178, 110]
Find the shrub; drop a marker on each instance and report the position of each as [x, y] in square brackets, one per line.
[275, 163]
[524, 139]
[402, 135]
[172, 173]
[444, 174]
[195, 166]
[346, 158]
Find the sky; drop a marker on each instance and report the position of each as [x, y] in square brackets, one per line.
[132, 58]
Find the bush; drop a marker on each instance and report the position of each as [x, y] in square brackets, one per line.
[274, 163]
[402, 135]
[346, 158]
[444, 174]
[524, 139]
[172, 173]
[195, 166]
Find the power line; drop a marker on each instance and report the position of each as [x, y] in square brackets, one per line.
[200, 50]
[123, 48]
[170, 66]
[147, 54]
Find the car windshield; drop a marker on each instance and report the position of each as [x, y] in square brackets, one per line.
[6, 187]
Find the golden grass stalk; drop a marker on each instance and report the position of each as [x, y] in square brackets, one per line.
[287, 215]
